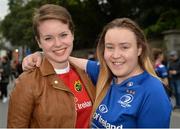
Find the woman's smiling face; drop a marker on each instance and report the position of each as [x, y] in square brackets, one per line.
[56, 41]
[121, 53]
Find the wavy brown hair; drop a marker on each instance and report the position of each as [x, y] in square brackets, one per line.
[105, 75]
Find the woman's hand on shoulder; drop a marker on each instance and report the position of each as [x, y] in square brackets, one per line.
[31, 61]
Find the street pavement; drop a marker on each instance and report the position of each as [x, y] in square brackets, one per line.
[175, 118]
[3, 114]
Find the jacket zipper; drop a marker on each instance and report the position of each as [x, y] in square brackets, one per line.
[75, 112]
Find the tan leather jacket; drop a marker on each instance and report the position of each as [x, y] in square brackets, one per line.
[41, 100]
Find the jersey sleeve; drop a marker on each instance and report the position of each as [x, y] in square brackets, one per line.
[92, 70]
[156, 108]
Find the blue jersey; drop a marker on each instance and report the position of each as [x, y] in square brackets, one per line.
[161, 71]
[138, 102]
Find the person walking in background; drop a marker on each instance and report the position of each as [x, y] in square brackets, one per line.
[128, 92]
[5, 74]
[174, 75]
[16, 67]
[58, 94]
[161, 69]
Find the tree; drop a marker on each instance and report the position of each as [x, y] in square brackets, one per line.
[90, 16]
[17, 25]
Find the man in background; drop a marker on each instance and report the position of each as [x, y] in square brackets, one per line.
[174, 75]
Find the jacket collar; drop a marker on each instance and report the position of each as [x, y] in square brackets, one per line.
[47, 69]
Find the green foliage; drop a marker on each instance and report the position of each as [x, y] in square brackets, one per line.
[17, 25]
[88, 21]
[167, 21]
[90, 16]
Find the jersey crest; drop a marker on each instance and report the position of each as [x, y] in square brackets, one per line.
[78, 86]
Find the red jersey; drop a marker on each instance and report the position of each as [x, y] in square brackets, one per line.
[82, 100]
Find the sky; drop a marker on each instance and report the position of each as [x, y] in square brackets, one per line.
[3, 8]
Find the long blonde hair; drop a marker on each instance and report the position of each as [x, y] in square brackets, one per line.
[105, 75]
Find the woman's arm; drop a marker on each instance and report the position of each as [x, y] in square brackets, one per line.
[21, 105]
[82, 63]
[35, 59]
